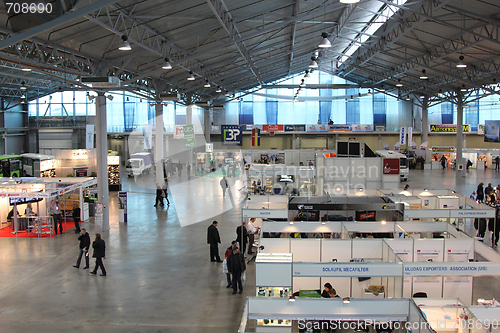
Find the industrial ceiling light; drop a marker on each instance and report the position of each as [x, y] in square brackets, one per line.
[110, 97]
[191, 76]
[399, 84]
[218, 90]
[313, 63]
[359, 95]
[22, 96]
[382, 89]
[125, 46]
[422, 96]
[23, 86]
[349, 1]
[26, 69]
[463, 89]
[440, 93]
[207, 84]
[461, 63]
[302, 84]
[307, 74]
[423, 76]
[408, 98]
[226, 93]
[352, 98]
[167, 64]
[325, 43]
[369, 92]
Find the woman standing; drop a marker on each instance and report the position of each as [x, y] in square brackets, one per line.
[480, 192]
[99, 247]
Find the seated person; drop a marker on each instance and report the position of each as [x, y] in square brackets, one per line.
[29, 211]
[10, 216]
[326, 292]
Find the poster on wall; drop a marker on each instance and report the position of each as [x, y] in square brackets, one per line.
[391, 166]
[448, 128]
[189, 136]
[491, 131]
[317, 128]
[89, 135]
[231, 135]
[339, 128]
[362, 128]
[273, 128]
[148, 136]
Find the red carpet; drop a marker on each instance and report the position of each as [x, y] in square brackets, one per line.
[7, 232]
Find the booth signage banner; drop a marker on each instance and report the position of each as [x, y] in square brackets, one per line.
[273, 128]
[472, 213]
[362, 128]
[451, 268]
[402, 135]
[391, 166]
[99, 214]
[189, 136]
[265, 213]
[380, 128]
[448, 128]
[341, 207]
[337, 269]
[89, 135]
[449, 213]
[148, 136]
[122, 206]
[440, 149]
[410, 135]
[317, 128]
[295, 128]
[231, 135]
[178, 131]
[255, 137]
[339, 128]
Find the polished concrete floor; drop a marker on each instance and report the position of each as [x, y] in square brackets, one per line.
[159, 275]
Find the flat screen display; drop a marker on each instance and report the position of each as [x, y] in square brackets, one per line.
[20, 201]
[286, 178]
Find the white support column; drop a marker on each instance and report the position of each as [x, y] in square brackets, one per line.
[189, 121]
[102, 157]
[159, 143]
[460, 135]
[425, 129]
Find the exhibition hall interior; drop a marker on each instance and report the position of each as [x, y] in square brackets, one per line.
[250, 166]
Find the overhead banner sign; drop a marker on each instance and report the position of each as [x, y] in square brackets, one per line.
[148, 136]
[402, 135]
[295, 128]
[362, 128]
[89, 134]
[451, 268]
[442, 149]
[391, 166]
[231, 135]
[448, 128]
[410, 135]
[178, 131]
[317, 128]
[339, 128]
[273, 128]
[354, 269]
[189, 136]
[255, 137]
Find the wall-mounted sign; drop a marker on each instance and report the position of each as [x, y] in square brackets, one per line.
[273, 128]
[295, 128]
[339, 128]
[443, 149]
[402, 135]
[492, 131]
[231, 135]
[178, 131]
[113, 160]
[448, 128]
[391, 166]
[362, 128]
[47, 165]
[80, 154]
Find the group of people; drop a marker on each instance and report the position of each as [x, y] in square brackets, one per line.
[99, 247]
[489, 196]
[161, 193]
[234, 254]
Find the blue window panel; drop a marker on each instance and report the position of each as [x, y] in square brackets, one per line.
[246, 113]
[352, 107]
[379, 110]
[447, 113]
[272, 112]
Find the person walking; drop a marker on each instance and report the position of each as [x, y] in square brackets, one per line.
[228, 252]
[213, 238]
[480, 192]
[84, 239]
[159, 196]
[188, 170]
[224, 185]
[99, 247]
[487, 192]
[179, 168]
[242, 236]
[252, 230]
[76, 217]
[55, 210]
[497, 163]
[236, 267]
[165, 193]
[443, 162]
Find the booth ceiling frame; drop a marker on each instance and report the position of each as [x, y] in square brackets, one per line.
[241, 46]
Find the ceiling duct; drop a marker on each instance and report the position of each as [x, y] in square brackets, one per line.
[170, 97]
[101, 81]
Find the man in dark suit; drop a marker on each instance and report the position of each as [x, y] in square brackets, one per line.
[84, 239]
[242, 236]
[213, 239]
[99, 247]
[236, 266]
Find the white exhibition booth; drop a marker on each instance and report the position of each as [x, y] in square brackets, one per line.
[266, 206]
[283, 179]
[283, 156]
[18, 192]
[403, 266]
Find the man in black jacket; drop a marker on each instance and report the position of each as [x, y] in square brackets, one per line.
[213, 239]
[236, 266]
[99, 247]
[84, 239]
[242, 236]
